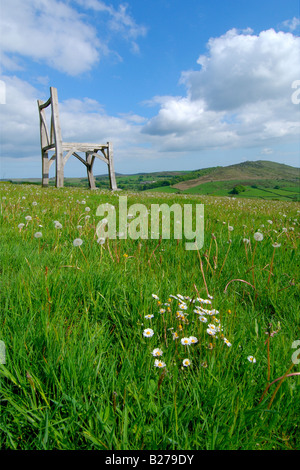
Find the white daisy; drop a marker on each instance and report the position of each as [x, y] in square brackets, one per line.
[185, 341]
[157, 352]
[148, 333]
[186, 362]
[193, 339]
[251, 359]
[158, 363]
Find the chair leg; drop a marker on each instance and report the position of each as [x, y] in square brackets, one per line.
[111, 169]
[59, 178]
[45, 170]
[89, 168]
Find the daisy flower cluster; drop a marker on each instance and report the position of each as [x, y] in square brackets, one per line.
[187, 323]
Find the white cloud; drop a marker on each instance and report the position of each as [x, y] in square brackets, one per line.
[292, 24]
[49, 31]
[245, 68]
[54, 32]
[82, 120]
[119, 20]
[241, 96]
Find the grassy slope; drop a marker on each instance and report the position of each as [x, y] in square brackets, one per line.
[79, 373]
[246, 171]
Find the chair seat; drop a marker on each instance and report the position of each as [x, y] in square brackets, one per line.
[83, 147]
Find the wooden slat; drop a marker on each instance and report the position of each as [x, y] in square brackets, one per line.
[44, 105]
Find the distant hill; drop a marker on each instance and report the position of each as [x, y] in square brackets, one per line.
[251, 179]
[245, 173]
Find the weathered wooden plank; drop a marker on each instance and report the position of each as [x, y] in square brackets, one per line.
[89, 167]
[111, 169]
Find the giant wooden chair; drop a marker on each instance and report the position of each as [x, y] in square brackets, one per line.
[52, 142]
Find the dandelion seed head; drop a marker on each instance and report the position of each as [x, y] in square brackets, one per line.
[258, 236]
[77, 242]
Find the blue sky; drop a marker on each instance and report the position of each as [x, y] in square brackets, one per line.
[174, 85]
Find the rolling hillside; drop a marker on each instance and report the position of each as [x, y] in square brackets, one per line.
[250, 179]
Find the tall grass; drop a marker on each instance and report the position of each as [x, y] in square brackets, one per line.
[80, 374]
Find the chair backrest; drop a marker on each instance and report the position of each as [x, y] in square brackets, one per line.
[50, 138]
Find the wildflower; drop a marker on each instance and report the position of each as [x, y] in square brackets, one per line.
[162, 310]
[38, 235]
[157, 352]
[203, 319]
[155, 296]
[183, 306]
[211, 331]
[258, 236]
[193, 339]
[251, 359]
[148, 333]
[175, 335]
[77, 242]
[180, 315]
[227, 342]
[158, 363]
[57, 224]
[150, 315]
[203, 301]
[186, 341]
[186, 362]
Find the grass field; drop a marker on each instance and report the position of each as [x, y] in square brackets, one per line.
[82, 369]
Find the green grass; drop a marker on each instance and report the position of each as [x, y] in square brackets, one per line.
[79, 373]
[265, 190]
